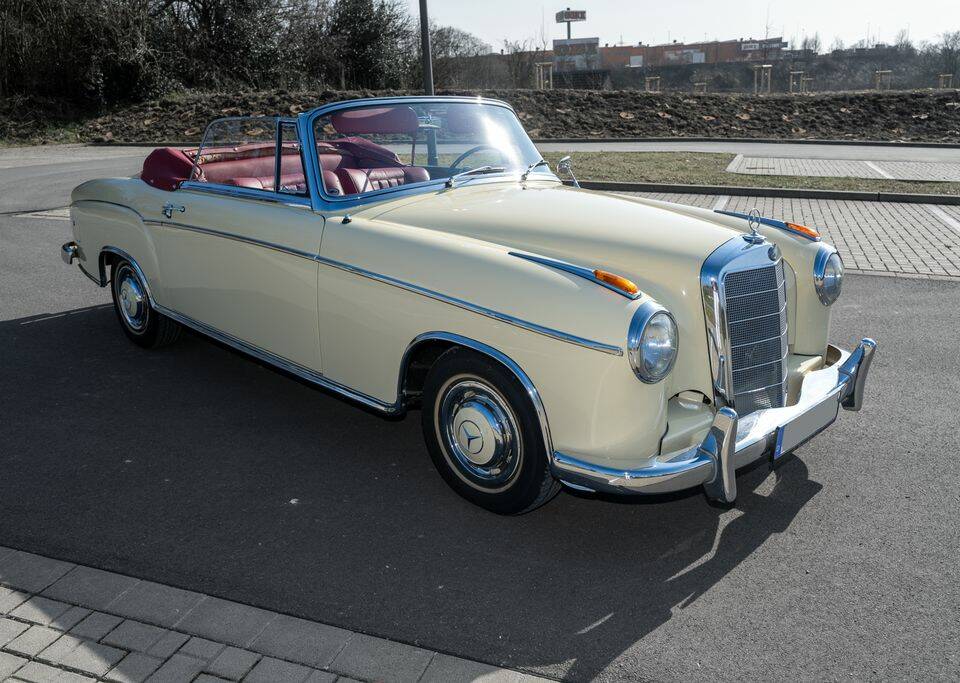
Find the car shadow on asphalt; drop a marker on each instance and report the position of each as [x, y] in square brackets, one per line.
[196, 467]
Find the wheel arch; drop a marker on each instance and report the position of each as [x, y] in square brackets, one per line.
[426, 348]
[110, 255]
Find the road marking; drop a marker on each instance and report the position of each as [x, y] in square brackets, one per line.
[721, 202]
[48, 214]
[51, 316]
[943, 217]
[876, 167]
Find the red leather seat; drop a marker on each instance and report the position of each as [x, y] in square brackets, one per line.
[357, 180]
[294, 183]
[350, 165]
[254, 167]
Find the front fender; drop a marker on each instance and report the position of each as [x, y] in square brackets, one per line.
[403, 282]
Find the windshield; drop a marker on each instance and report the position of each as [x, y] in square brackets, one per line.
[375, 147]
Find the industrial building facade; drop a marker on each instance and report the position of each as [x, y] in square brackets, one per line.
[586, 53]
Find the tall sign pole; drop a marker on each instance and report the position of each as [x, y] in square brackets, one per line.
[425, 49]
[432, 159]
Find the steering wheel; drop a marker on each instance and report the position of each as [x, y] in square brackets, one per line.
[473, 150]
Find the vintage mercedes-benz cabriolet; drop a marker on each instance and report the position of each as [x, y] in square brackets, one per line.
[419, 252]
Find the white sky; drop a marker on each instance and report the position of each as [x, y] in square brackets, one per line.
[691, 20]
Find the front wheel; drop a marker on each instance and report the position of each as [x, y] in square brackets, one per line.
[484, 435]
[140, 322]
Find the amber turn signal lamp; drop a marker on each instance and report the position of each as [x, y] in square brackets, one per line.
[812, 233]
[621, 283]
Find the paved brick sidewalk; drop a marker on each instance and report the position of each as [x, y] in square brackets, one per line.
[850, 168]
[65, 622]
[919, 240]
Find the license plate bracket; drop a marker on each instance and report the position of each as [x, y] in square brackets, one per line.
[807, 425]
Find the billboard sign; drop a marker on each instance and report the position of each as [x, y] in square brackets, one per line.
[571, 15]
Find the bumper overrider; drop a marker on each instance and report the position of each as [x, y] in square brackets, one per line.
[734, 442]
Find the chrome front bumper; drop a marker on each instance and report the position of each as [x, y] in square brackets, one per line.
[734, 442]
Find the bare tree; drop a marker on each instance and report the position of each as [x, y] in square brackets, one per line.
[456, 57]
[949, 49]
[811, 43]
[903, 43]
[521, 57]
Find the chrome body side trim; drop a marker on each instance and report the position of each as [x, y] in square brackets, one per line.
[236, 238]
[732, 442]
[579, 271]
[410, 287]
[770, 222]
[476, 308]
[513, 367]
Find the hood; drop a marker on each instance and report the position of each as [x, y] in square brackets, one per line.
[660, 249]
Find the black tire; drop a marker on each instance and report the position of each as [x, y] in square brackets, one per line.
[143, 325]
[468, 396]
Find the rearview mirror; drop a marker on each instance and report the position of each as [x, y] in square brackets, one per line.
[565, 166]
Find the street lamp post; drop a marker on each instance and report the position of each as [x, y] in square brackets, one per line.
[427, 79]
[425, 49]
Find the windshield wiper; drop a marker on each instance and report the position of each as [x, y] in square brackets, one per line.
[542, 162]
[472, 171]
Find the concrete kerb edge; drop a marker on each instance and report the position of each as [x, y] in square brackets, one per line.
[793, 193]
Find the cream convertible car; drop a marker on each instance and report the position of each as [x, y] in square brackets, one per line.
[419, 252]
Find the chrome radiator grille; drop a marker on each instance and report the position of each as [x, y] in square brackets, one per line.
[756, 320]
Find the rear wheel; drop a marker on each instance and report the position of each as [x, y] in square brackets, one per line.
[140, 322]
[484, 435]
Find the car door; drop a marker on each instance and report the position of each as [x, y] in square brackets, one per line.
[241, 260]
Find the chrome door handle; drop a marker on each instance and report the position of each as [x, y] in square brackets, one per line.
[168, 209]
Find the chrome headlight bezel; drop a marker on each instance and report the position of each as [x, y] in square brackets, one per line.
[647, 313]
[828, 274]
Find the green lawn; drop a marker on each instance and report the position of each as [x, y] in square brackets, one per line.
[701, 168]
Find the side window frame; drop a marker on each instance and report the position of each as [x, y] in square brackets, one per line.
[274, 195]
[291, 125]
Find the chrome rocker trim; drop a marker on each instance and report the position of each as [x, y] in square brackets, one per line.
[398, 407]
[732, 442]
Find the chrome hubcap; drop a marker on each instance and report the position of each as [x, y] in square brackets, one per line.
[480, 434]
[131, 299]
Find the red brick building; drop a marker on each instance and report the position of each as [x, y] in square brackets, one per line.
[714, 52]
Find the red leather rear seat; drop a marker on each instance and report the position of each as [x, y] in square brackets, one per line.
[358, 167]
[255, 167]
[294, 183]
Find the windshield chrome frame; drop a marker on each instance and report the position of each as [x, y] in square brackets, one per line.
[321, 201]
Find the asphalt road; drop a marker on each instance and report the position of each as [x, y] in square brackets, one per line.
[183, 465]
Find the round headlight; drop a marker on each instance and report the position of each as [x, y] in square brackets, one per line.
[652, 342]
[828, 275]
